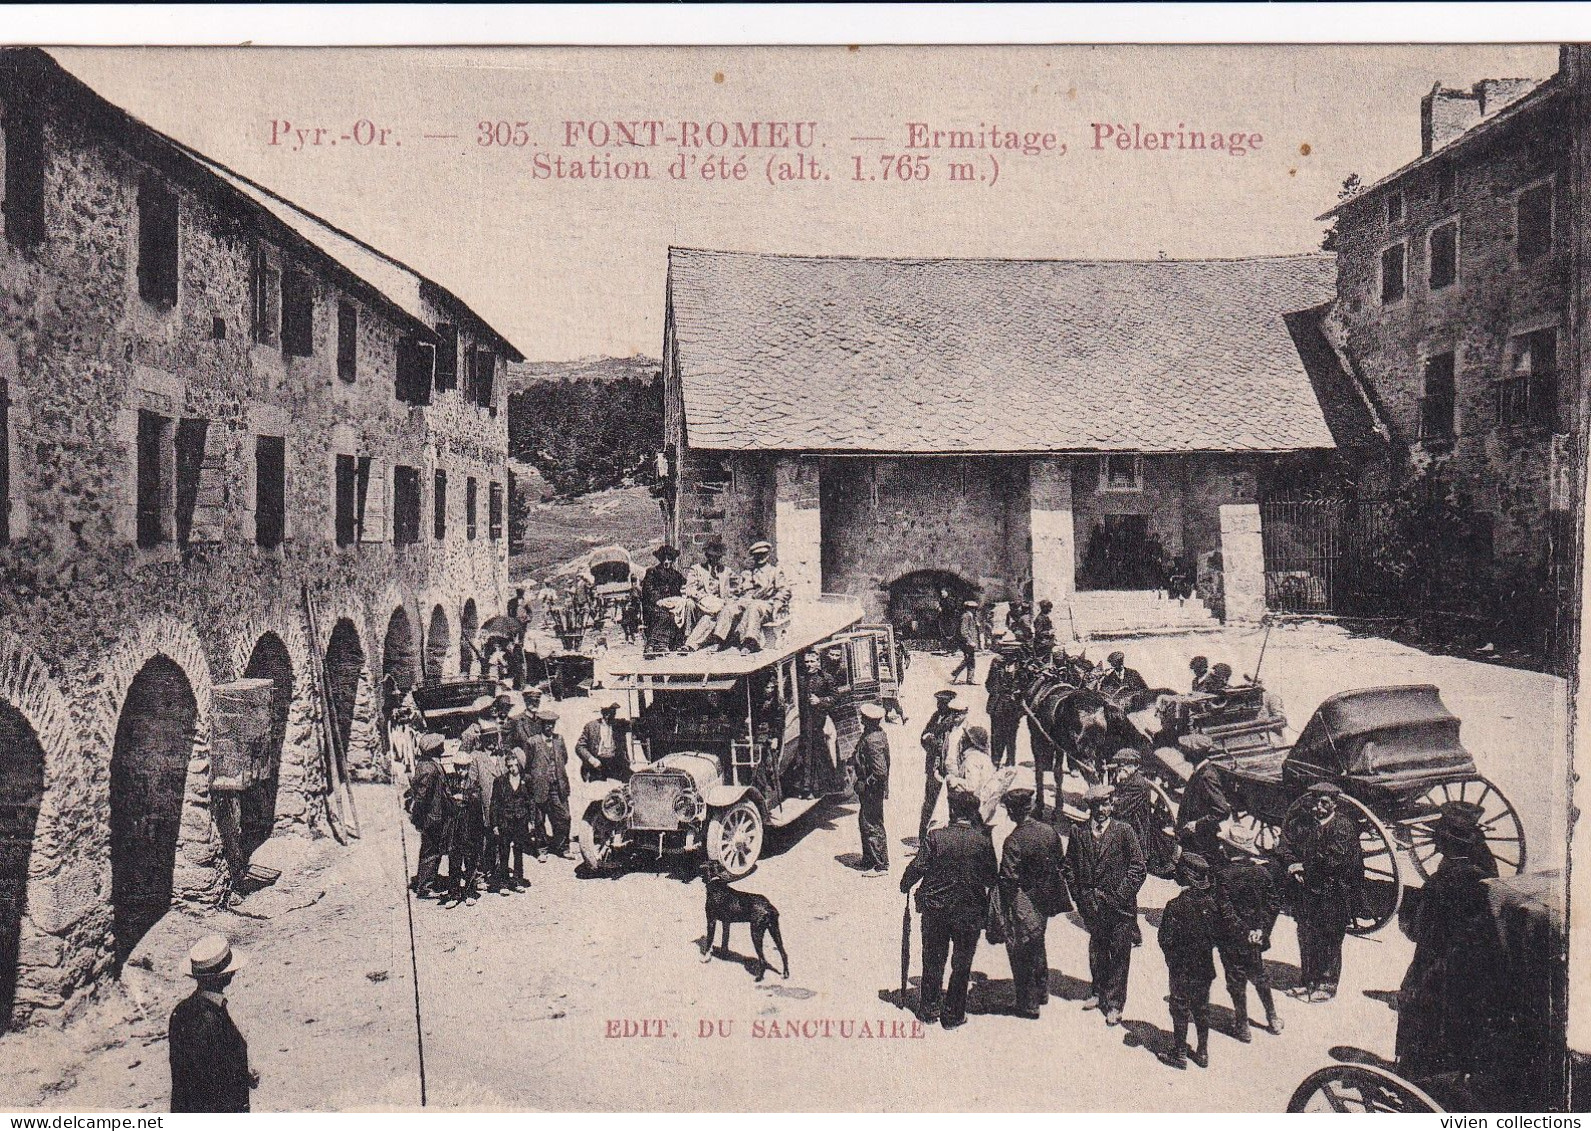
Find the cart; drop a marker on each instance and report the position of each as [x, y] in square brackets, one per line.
[1395, 754]
[1529, 1049]
[611, 575]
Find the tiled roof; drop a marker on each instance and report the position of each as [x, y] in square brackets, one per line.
[983, 355]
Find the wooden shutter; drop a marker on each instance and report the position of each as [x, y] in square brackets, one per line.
[298, 314]
[267, 295]
[347, 340]
[201, 490]
[416, 361]
[157, 245]
[376, 489]
[346, 487]
[24, 179]
[447, 356]
[485, 371]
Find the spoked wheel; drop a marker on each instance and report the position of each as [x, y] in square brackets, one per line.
[1253, 833]
[734, 837]
[1161, 851]
[1340, 1088]
[1381, 887]
[1499, 822]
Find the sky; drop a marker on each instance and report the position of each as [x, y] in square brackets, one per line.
[569, 268]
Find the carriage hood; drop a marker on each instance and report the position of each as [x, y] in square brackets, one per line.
[702, 769]
[1384, 731]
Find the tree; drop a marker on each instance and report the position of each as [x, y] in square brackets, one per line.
[1352, 186]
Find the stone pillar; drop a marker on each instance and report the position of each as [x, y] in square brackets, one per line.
[1242, 563]
[798, 526]
[1050, 525]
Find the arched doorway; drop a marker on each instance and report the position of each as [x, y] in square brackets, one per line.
[345, 661]
[148, 776]
[400, 655]
[925, 606]
[469, 622]
[438, 645]
[21, 791]
[269, 660]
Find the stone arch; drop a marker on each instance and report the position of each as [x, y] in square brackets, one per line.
[469, 622]
[439, 645]
[22, 761]
[400, 652]
[915, 604]
[156, 734]
[270, 659]
[345, 668]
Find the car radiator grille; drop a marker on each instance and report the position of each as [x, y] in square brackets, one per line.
[652, 801]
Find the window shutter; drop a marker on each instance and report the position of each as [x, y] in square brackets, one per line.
[416, 361]
[267, 288]
[157, 245]
[447, 356]
[24, 180]
[201, 494]
[485, 370]
[347, 340]
[211, 498]
[376, 488]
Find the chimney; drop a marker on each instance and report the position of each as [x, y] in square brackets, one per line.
[1497, 93]
[1444, 114]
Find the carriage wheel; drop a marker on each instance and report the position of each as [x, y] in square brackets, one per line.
[1505, 835]
[1361, 1088]
[1381, 888]
[1161, 853]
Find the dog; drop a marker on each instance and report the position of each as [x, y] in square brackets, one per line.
[726, 905]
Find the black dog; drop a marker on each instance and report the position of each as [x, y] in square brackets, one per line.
[726, 905]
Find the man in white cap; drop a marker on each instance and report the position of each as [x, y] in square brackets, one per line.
[760, 594]
[872, 788]
[209, 1057]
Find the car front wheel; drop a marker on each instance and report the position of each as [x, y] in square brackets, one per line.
[734, 837]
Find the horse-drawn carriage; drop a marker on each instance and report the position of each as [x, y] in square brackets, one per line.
[1524, 1047]
[611, 575]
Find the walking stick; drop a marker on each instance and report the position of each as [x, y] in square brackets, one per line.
[905, 948]
[1264, 641]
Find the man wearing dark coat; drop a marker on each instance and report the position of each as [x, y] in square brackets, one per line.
[1044, 629]
[209, 1057]
[1118, 682]
[1455, 990]
[1204, 807]
[1189, 929]
[1005, 711]
[947, 716]
[603, 747]
[465, 834]
[548, 771]
[1134, 803]
[513, 807]
[429, 806]
[1245, 895]
[1325, 866]
[1032, 888]
[956, 868]
[821, 696]
[872, 788]
[659, 583]
[1105, 870]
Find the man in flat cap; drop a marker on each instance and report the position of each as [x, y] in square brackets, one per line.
[1204, 806]
[1003, 705]
[762, 595]
[1455, 992]
[603, 748]
[872, 788]
[548, 773]
[1189, 929]
[1325, 867]
[209, 1057]
[956, 868]
[1245, 895]
[429, 805]
[949, 714]
[661, 589]
[709, 586]
[486, 741]
[1135, 804]
[1105, 870]
[1044, 629]
[1032, 888]
[1118, 682]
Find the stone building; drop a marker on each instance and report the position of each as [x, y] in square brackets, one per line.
[211, 403]
[901, 429]
[1454, 311]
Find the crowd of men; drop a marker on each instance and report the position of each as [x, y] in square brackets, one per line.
[712, 605]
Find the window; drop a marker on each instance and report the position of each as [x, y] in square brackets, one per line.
[371, 500]
[347, 340]
[447, 356]
[439, 505]
[24, 179]
[471, 491]
[405, 505]
[494, 512]
[1436, 399]
[298, 314]
[270, 490]
[347, 500]
[416, 360]
[1446, 181]
[1444, 255]
[1535, 222]
[1395, 208]
[485, 370]
[1121, 472]
[157, 245]
[153, 481]
[1528, 396]
[1392, 273]
[265, 292]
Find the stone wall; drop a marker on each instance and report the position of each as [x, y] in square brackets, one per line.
[84, 609]
[1505, 472]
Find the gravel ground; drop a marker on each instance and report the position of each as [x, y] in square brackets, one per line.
[521, 997]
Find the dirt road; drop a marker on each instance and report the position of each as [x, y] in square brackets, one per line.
[526, 1000]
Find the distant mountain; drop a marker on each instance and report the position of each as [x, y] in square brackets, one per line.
[522, 375]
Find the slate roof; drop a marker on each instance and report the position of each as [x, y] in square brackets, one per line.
[985, 355]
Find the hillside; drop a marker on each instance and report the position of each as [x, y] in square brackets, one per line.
[588, 425]
[558, 530]
[523, 375]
